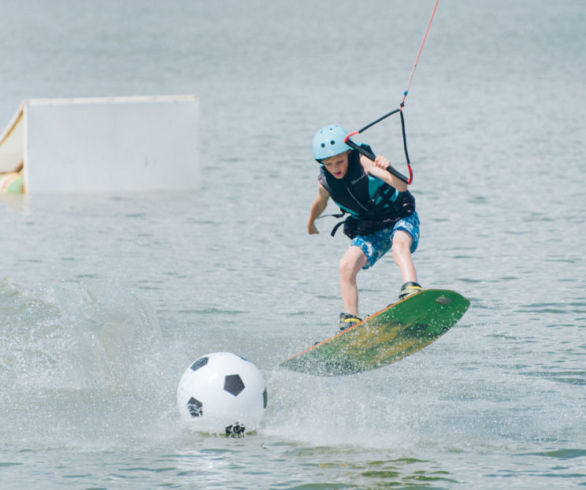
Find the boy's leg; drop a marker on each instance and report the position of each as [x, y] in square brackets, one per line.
[350, 264]
[401, 250]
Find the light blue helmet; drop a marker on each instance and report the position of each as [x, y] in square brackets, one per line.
[329, 142]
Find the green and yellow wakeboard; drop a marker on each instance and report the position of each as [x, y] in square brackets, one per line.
[388, 336]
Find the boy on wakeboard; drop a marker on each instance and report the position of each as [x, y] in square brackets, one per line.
[382, 214]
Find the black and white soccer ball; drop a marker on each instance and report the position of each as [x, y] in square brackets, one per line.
[222, 393]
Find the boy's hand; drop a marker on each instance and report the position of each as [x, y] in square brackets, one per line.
[382, 162]
[378, 168]
[317, 208]
[312, 229]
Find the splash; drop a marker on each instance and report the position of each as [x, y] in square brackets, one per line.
[75, 337]
[80, 365]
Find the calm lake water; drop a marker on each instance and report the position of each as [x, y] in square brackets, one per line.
[106, 299]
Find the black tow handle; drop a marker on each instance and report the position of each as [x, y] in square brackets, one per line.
[371, 156]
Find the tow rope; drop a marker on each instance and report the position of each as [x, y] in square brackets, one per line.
[371, 155]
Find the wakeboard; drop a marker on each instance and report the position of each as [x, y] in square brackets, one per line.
[393, 333]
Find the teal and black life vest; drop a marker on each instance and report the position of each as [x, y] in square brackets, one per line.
[371, 203]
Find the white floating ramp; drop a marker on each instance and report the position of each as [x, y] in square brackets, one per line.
[103, 144]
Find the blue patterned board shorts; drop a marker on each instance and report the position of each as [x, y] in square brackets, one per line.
[375, 245]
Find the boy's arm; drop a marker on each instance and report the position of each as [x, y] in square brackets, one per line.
[378, 169]
[319, 205]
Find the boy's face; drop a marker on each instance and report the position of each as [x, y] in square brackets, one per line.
[337, 165]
